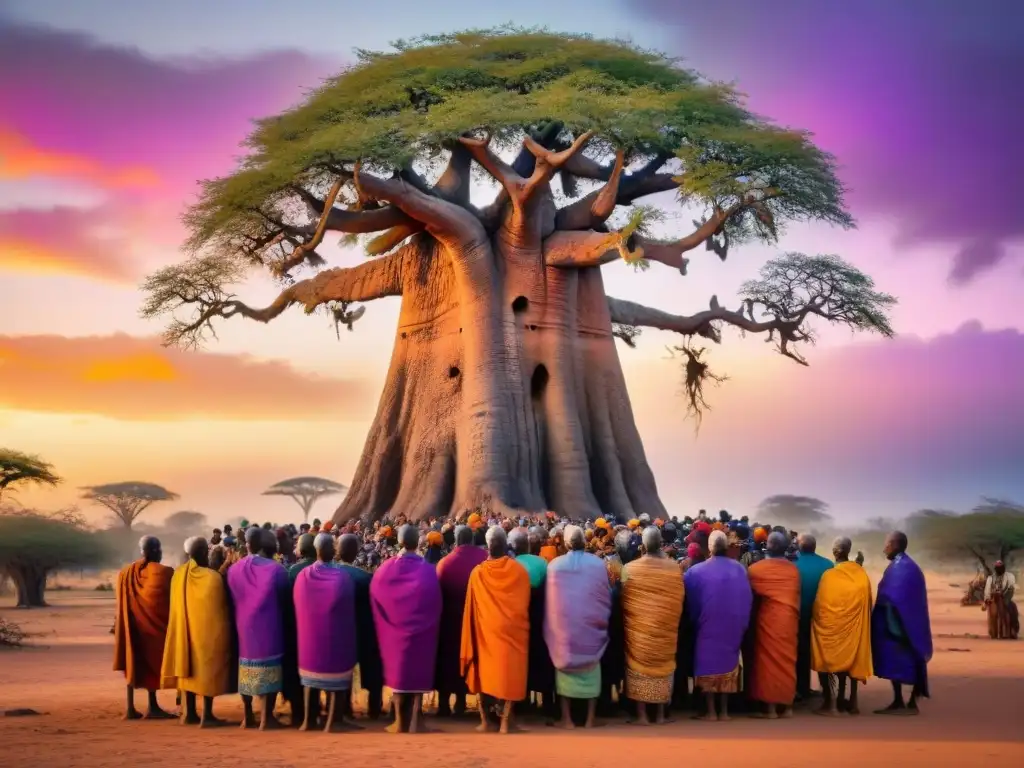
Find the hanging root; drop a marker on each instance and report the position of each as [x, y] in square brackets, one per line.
[697, 374]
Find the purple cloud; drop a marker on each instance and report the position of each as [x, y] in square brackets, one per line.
[920, 100]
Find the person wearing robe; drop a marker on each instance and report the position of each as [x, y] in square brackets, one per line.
[435, 547]
[199, 652]
[325, 607]
[652, 604]
[1003, 619]
[613, 661]
[496, 634]
[259, 590]
[140, 626]
[577, 607]
[406, 600]
[453, 576]
[901, 634]
[371, 670]
[841, 631]
[718, 604]
[548, 549]
[810, 566]
[307, 556]
[775, 582]
[540, 675]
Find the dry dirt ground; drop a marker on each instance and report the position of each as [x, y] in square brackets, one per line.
[973, 718]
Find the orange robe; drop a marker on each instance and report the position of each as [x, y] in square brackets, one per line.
[776, 586]
[496, 630]
[140, 626]
[549, 552]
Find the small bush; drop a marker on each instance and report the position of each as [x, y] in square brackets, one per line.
[106, 587]
[11, 635]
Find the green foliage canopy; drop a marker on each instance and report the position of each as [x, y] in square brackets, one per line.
[47, 542]
[18, 468]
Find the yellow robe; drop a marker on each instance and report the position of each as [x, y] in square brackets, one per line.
[841, 622]
[197, 653]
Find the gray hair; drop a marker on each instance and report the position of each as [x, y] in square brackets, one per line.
[622, 539]
[519, 541]
[842, 546]
[807, 543]
[409, 536]
[463, 535]
[497, 541]
[718, 543]
[188, 543]
[574, 537]
[778, 543]
[322, 540]
[652, 539]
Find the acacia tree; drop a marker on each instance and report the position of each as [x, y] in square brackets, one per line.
[305, 491]
[127, 500]
[505, 390]
[993, 530]
[803, 513]
[17, 469]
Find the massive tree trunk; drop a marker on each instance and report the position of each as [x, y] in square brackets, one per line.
[29, 583]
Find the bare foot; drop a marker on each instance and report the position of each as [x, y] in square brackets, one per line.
[159, 714]
[591, 724]
[486, 728]
[567, 725]
[209, 721]
[271, 724]
[710, 717]
[664, 720]
[644, 722]
[132, 714]
[787, 713]
[247, 723]
[827, 712]
[508, 727]
[393, 728]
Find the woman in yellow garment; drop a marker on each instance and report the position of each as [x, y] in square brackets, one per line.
[841, 631]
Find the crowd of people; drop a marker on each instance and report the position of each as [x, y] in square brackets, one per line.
[569, 621]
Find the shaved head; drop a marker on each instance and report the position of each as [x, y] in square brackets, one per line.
[149, 546]
[497, 542]
[841, 548]
[807, 543]
[778, 543]
[409, 537]
[463, 535]
[348, 548]
[519, 541]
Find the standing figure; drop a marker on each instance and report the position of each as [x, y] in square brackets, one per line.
[811, 566]
[259, 590]
[199, 652]
[140, 626]
[578, 605]
[718, 603]
[901, 631]
[841, 631]
[1003, 619]
[652, 604]
[325, 610]
[453, 575]
[540, 675]
[775, 582]
[496, 634]
[406, 600]
[371, 670]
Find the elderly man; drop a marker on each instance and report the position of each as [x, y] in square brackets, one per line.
[453, 575]
[325, 607]
[371, 675]
[775, 582]
[540, 677]
[652, 603]
[496, 634]
[406, 599]
[259, 590]
[810, 566]
[901, 633]
[578, 605]
[198, 655]
[718, 602]
[1003, 620]
[841, 631]
[140, 625]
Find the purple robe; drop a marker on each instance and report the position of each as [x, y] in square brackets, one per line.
[325, 608]
[453, 575]
[577, 607]
[258, 588]
[901, 633]
[406, 601]
[718, 602]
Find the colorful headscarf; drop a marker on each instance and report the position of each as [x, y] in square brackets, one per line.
[474, 521]
[434, 539]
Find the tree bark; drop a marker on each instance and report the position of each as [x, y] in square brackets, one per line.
[29, 584]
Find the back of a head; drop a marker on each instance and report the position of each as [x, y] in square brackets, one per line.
[899, 540]
[497, 542]
[463, 535]
[268, 541]
[841, 547]
[305, 546]
[409, 537]
[480, 536]
[718, 543]
[536, 537]
[574, 537]
[519, 542]
[652, 539]
[778, 543]
[254, 540]
[323, 544]
[348, 548]
[198, 549]
[622, 548]
[149, 547]
[807, 543]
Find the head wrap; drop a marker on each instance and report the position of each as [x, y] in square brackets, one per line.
[474, 521]
[645, 518]
[435, 539]
[634, 523]
[718, 526]
[601, 523]
[386, 532]
[659, 522]
[761, 535]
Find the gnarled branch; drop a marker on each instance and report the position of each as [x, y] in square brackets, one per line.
[355, 222]
[302, 251]
[628, 188]
[575, 250]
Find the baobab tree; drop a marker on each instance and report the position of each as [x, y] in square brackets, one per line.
[505, 390]
[20, 469]
[305, 491]
[127, 500]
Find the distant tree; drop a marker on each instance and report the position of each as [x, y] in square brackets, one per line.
[34, 544]
[305, 491]
[993, 530]
[186, 520]
[127, 500]
[797, 512]
[18, 469]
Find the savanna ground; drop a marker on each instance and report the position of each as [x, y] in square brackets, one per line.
[65, 675]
